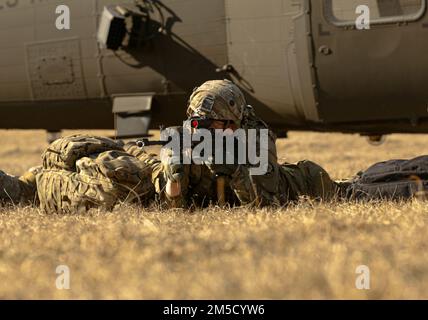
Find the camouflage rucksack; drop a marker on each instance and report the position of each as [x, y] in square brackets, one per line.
[82, 172]
[393, 179]
[63, 153]
[62, 191]
[131, 177]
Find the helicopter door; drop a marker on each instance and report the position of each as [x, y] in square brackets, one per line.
[380, 73]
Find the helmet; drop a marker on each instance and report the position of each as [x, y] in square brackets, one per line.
[219, 100]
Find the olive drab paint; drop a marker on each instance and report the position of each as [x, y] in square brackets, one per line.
[302, 64]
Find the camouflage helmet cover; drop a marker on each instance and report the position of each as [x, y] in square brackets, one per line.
[217, 99]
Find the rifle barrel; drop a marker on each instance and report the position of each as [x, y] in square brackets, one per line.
[147, 143]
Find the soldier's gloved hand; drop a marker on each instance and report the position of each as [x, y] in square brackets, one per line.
[171, 154]
[221, 169]
[172, 165]
[173, 169]
[174, 172]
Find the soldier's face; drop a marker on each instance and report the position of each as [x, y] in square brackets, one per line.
[222, 125]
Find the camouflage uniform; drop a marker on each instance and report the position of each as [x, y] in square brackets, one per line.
[280, 185]
[19, 190]
[82, 172]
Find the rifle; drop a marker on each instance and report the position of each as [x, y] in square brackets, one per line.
[148, 143]
[195, 123]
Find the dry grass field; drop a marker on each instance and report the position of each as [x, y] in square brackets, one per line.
[309, 251]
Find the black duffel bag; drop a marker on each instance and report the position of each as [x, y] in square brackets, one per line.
[393, 179]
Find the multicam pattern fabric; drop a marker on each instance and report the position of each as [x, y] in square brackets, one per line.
[280, 185]
[306, 179]
[98, 178]
[101, 172]
[217, 99]
[63, 153]
[63, 192]
[141, 154]
[131, 177]
[19, 190]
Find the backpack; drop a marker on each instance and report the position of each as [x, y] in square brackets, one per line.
[65, 192]
[63, 153]
[82, 172]
[392, 180]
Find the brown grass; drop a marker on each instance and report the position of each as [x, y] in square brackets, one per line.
[307, 251]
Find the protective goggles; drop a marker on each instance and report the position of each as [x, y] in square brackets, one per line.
[203, 123]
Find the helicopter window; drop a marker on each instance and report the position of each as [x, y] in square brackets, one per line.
[341, 12]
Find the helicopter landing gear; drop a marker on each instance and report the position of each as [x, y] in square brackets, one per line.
[51, 136]
[376, 140]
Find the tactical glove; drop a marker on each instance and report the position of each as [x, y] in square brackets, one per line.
[172, 164]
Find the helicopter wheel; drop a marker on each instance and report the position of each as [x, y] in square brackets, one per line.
[376, 140]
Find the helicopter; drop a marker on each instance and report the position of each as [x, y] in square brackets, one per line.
[131, 65]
